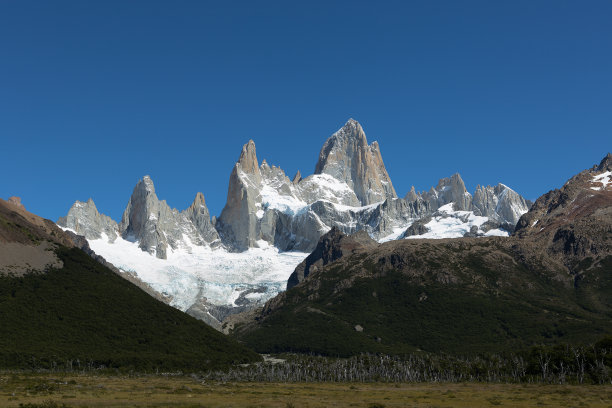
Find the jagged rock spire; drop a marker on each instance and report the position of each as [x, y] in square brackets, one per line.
[199, 215]
[450, 190]
[411, 195]
[248, 158]
[297, 177]
[157, 227]
[84, 219]
[347, 156]
[141, 216]
[237, 223]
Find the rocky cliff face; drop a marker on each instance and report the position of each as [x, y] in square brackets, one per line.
[237, 223]
[157, 227]
[346, 156]
[449, 190]
[499, 203]
[199, 216]
[84, 219]
[143, 217]
[263, 204]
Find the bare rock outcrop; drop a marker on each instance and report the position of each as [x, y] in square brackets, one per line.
[332, 246]
[500, 203]
[84, 219]
[156, 227]
[237, 223]
[16, 201]
[449, 190]
[199, 215]
[347, 156]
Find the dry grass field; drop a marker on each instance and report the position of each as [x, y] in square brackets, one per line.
[70, 390]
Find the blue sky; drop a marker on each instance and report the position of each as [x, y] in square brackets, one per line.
[94, 95]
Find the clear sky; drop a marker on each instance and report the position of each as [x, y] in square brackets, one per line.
[96, 94]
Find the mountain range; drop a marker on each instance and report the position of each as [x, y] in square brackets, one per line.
[212, 267]
[93, 291]
[548, 283]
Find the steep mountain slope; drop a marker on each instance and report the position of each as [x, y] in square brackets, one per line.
[550, 282]
[573, 223]
[74, 310]
[333, 245]
[214, 267]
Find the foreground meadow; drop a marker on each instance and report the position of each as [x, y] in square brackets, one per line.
[70, 390]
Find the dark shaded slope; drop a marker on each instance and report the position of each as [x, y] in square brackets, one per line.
[85, 312]
[458, 296]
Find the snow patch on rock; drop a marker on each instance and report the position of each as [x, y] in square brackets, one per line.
[604, 178]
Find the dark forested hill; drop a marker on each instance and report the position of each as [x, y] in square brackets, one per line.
[66, 309]
[549, 283]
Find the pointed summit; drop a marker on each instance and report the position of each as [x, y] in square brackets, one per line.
[449, 190]
[146, 184]
[297, 177]
[198, 200]
[141, 216]
[606, 163]
[350, 136]
[453, 190]
[199, 215]
[84, 219]
[248, 158]
[411, 195]
[237, 223]
[347, 157]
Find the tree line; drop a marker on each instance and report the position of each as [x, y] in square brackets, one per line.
[561, 364]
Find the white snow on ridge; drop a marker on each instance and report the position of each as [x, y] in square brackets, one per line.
[454, 224]
[397, 232]
[218, 275]
[288, 204]
[496, 233]
[604, 178]
[342, 207]
[327, 188]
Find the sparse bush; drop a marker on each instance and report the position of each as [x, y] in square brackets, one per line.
[45, 404]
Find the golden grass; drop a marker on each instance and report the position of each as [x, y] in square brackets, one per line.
[159, 391]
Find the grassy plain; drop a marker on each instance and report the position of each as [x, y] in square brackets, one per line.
[71, 390]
